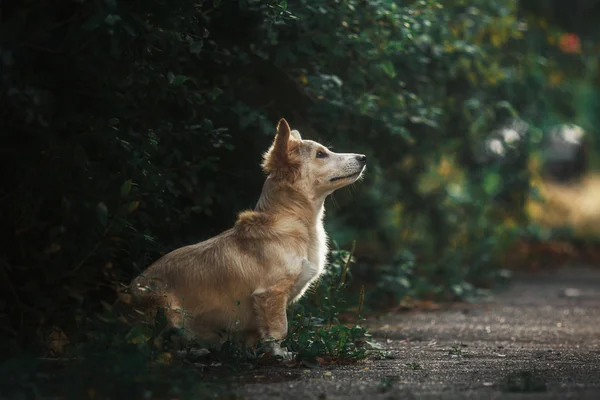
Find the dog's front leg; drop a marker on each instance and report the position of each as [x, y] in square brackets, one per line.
[270, 310]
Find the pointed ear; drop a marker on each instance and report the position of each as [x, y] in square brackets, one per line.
[296, 135]
[277, 156]
[283, 136]
[280, 144]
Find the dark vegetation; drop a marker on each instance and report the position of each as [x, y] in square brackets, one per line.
[130, 128]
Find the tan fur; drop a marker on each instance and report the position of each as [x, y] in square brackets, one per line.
[241, 281]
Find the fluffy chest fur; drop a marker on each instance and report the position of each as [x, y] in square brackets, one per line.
[317, 245]
[312, 265]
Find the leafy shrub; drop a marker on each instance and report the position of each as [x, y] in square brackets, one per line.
[131, 128]
[421, 73]
[114, 134]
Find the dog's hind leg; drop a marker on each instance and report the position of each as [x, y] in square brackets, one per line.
[270, 311]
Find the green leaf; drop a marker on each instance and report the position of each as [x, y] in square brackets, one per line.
[132, 206]
[388, 68]
[112, 19]
[492, 183]
[403, 132]
[178, 80]
[196, 47]
[102, 213]
[507, 106]
[215, 92]
[126, 188]
[139, 334]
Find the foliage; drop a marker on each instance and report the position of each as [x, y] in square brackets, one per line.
[133, 127]
[118, 144]
[314, 327]
[422, 73]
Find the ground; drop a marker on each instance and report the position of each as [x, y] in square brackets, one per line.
[540, 338]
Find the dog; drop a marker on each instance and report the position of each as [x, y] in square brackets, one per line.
[240, 282]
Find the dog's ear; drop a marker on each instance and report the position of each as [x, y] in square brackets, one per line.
[278, 157]
[280, 144]
[296, 135]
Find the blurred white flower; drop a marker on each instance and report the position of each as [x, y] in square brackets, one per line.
[496, 146]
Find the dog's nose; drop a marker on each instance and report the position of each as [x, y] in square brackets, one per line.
[362, 158]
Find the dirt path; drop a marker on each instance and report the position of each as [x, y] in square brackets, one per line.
[540, 339]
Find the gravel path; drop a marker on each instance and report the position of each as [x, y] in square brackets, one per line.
[540, 339]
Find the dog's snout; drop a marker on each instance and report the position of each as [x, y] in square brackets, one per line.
[362, 158]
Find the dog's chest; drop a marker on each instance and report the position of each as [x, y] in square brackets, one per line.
[317, 248]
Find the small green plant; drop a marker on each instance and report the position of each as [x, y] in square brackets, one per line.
[314, 328]
[414, 366]
[456, 350]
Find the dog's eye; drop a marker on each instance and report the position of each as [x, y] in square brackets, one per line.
[322, 154]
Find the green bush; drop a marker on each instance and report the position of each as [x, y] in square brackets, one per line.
[417, 97]
[134, 127]
[119, 133]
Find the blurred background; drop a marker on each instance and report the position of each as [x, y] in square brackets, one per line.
[129, 128]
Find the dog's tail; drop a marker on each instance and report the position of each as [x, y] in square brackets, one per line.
[138, 301]
[142, 302]
[143, 291]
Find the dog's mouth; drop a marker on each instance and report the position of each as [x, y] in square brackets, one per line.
[339, 178]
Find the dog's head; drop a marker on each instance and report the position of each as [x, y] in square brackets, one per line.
[310, 165]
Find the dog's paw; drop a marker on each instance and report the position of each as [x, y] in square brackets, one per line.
[193, 354]
[283, 354]
[274, 350]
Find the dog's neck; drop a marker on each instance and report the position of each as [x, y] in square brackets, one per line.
[281, 198]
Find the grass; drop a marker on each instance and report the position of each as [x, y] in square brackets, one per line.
[414, 366]
[456, 350]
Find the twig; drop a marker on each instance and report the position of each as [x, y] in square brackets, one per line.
[347, 264]
[17, 298]
[91, 251]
